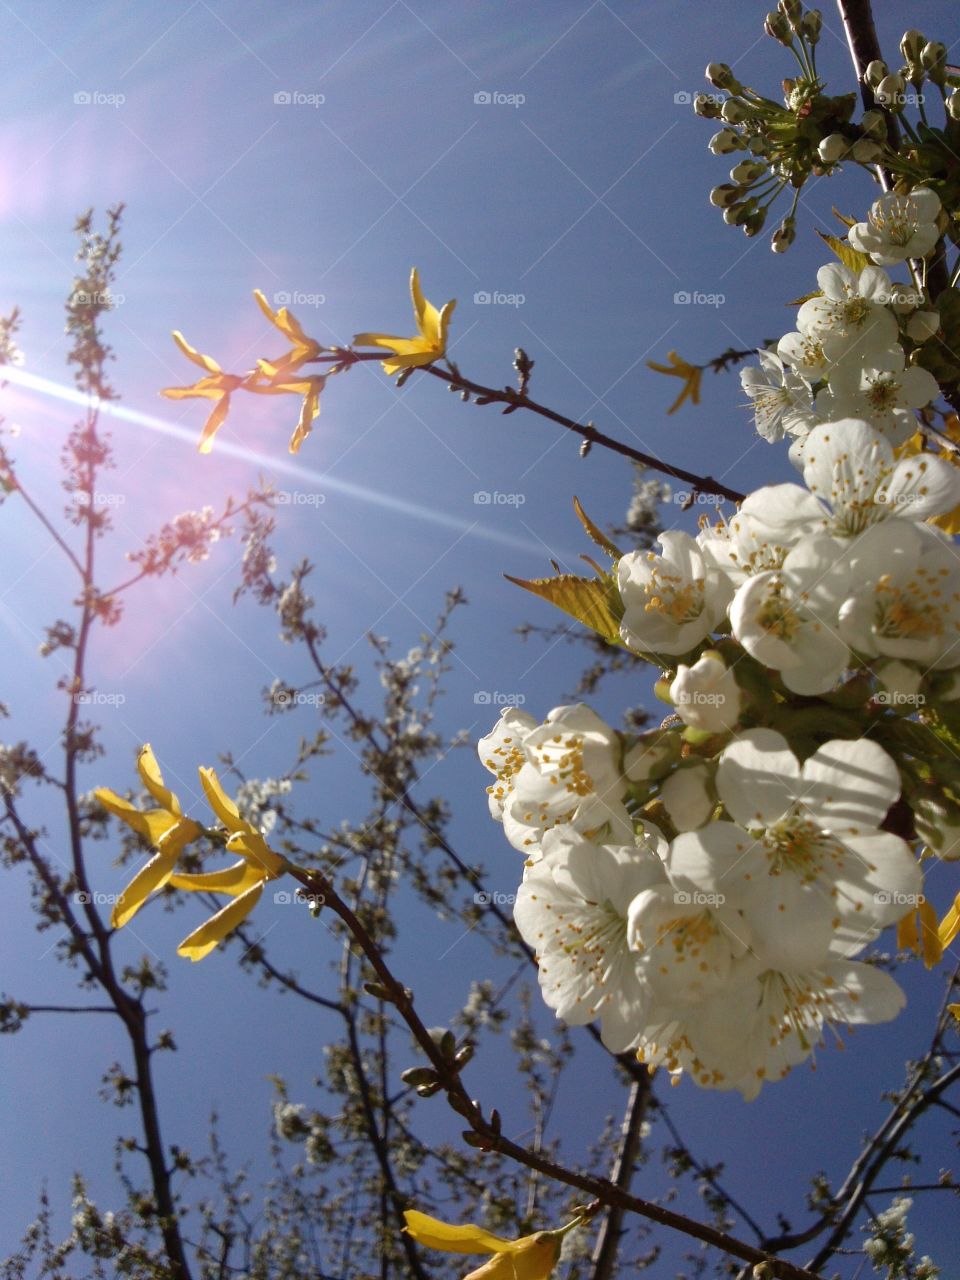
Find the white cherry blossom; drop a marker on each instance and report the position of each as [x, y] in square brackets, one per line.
[851, 316]
[707, 695]
[572, 909]
[882, 392]
[782, 403]
[671, 601]
[898, 227]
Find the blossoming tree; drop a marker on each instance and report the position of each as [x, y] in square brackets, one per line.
[705, 898]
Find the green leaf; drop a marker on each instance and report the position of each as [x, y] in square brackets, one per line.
[596, 535]
[593, 601]
[849, 256]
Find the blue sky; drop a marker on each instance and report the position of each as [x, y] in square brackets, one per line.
[577, 197]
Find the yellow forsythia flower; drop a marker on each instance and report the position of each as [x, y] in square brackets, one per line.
[165, 827]
[217, 385]
[949, 522]
[917, 932]
[529, 1258]
[950, 924]
[431, 341]
[680, 368]
[243, 881]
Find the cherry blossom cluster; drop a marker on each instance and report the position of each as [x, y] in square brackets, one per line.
[703, 889]
[854, 351]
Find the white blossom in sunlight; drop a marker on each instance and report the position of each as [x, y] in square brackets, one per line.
[572, 909]
[898, 227]
[707, 695]
[672, 601]
[881, 391]
[851, 317]
[782, 404]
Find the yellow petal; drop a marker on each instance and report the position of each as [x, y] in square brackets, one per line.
[254, 850]
[152, 778]
[908, 938]
[220, 802]
[206, 387]
[379, 340]
[205, 362]
[950, 924]
[428, 317]
[534, 1258]
[463, 1238]
[309, 411]
[203, 940]
[929, 938]
[214, 423]
[153, 876]
[233, 880]
[152, 824]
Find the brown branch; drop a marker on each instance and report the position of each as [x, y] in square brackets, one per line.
[607, 1246]
[485, 1133]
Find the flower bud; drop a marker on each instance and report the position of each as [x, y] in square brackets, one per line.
[778, 28]
[689, 797]
[753, 222]
[903, 298]
[875, 72]
[911, 46]
[721, 77]
[734, 111]
[933, 58]
[747, 171]
[874, 124]
[759, 145]
[952, 105]
[784, 236]
[724, 196]
[706, 695]
[792, 10]
[833, 148]
[866, 151]
[706, 106]
[937, 820]
[810, 26]
[922, 325]
[891, 91]
[651, 755]
[725, 142]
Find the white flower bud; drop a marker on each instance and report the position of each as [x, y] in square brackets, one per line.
[952, 105]
[706, 695]
[734, 111]
[724, 195]
[689, 797]
[721, 77]
[747, 171]
[874, 124]
[899, 681]
[904, 298]
[923, 325]
[891, 91]
[911, 46]
[875, 72]
[833, 147]
[784, 236]
[725, 142]
[866, 151]
[933, 57]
